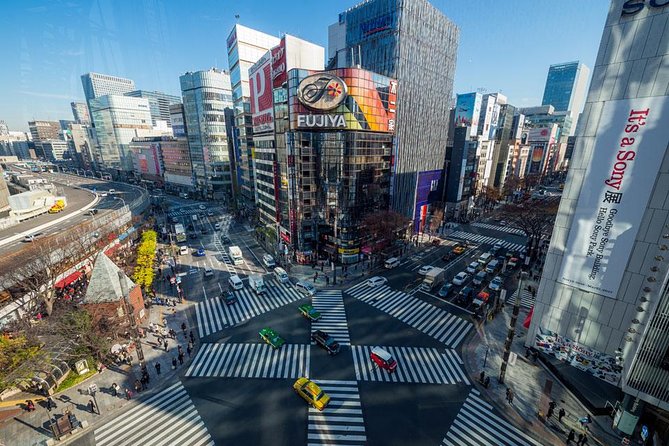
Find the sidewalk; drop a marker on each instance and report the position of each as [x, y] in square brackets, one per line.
[528, 379]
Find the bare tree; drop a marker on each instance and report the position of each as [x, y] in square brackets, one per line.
[511, 184]
[384, 227]
[535, 218]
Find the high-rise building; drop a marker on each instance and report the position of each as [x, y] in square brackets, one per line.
[206, 95]
[159, 104]
[415, 43]
[147, 158]
[118, 119]
[80, 146]
[176, 161]
[4, 130]
[44, 130]
[54, 150]
[96, 85]
[461, 175]
[177, 120]
[245, 47]
[80, 113]
[603, 301]
[566, 87]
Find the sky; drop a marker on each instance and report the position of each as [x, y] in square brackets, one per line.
[505, 45]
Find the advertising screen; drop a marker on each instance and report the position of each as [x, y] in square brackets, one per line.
[467, 111]
[260, 84]
[628, 152]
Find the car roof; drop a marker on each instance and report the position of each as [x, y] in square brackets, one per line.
[381, 353]
[312, 387]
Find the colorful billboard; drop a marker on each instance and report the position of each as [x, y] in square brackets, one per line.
[426, 193]
[260, 84]
[467, 111]
[627, 155]
[346, 99]
[279, 71]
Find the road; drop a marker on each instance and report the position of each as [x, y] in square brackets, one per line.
[239, 390]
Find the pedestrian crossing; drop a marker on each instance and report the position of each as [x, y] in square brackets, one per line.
[484, 239]
[250, 361]
[183, 212]
[330, 304]
[477, 425]
[213, 315]
[508, 229]
[341, 422]
[433, 321]
[168, 417]
[414, 365]
[526, 299]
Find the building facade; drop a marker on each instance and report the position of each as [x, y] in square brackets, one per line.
[79, 145]
[604, 292]
[461, 175]
[245, 47]
[178, 174]
[80, 113]
[159, 104]
[177, 120]
[206, 95]
[566, 86]
[415, 43]
[147, 159]
[44, 130]
[96, 85]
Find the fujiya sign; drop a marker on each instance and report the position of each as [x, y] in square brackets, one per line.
[321, 121]
[322, 91]
[628, 151]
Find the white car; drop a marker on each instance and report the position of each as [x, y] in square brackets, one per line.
[496, 283]
[203, 207]
[217, 226]
[498, 246]
[473, 267]
[305, 288]
[376, 281]
[425, 269]
[268, 261]
[208, 272]
[460, 278]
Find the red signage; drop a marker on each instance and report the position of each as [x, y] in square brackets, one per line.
[279, 72]
[260, 84]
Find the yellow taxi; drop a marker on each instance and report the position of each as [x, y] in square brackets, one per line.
[459, 249]
[311, 393]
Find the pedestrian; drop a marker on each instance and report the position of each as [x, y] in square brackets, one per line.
[179, 349]
[482, 376]
[114, 389]
[192, 338]
[30, 405]
[315, 277]
[50, 404]
[585, 440]
[158, 368]
[551, 409]
[580, 439]
[91, 406]
[561, 414]
[181, 358]
[174, 363]
[128, 394]
[165, 344]
[327, 280]
[190, 344]
[189, 350]
[138, 386]
[510, 397]
[183, 327]
[585, 421]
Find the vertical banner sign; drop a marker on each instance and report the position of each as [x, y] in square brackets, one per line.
[279, 68]
[629, 147]
[260, 84]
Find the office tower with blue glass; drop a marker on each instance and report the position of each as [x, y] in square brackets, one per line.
[566, 86]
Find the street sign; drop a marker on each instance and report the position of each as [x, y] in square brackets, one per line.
[644, 432]
[512, 358]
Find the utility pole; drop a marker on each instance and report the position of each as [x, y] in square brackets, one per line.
[134, 335]
[512, 329]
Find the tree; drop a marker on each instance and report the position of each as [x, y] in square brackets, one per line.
[535, 218]
[383, 227]
[146, 254]
[511, 184]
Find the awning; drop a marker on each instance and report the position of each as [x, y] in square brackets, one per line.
[62, 283]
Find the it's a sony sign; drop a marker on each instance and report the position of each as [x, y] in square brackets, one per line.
[631, 7]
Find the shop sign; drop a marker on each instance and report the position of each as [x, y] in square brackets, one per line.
[349, 250]
[321, 121]
[322, 91]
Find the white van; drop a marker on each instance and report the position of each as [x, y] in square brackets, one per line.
[281, 275]
[235, 282]
[485, 258]
[392, 263]
[492, 266]
[183, 250]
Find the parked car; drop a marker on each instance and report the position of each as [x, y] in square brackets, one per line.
[383, 359]
[460, 278]
[326, 341]
[311, 393]
[376, 281]
[271, 337]
[425, 269]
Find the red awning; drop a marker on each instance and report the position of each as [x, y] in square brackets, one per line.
[62, 283]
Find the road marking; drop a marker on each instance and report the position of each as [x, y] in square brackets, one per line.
[342, 421]
[330, 304]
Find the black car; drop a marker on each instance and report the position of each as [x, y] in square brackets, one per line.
[326, 341]
[447, 257]
[465, 296]
[228, 297]
[225, 240]
[204, 231]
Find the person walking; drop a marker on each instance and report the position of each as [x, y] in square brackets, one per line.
[138, 386]
[174, 363]
[91, 406]
[551, 409]
[50, 404]
[580, 439]
[157, 368]
[179, 349]
[585, 440]
[181, 358]
[192, 338]
[114, 389]
[128, 394]
[509, 395]
[561, 414]
[165, 344]
[571, 436]
[189, 350]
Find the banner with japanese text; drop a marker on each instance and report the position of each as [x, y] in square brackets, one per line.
[629, 147]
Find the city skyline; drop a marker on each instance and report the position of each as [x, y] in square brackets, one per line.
[146, 43]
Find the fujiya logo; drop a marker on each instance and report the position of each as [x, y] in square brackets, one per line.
[322, 91]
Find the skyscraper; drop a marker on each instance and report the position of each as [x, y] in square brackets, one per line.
[245, 47]
[413, 42]
[566, 87]
[96, 85]
[603, 302]
[159, 104]
[206, 95]
[80, 113]
[44, 130]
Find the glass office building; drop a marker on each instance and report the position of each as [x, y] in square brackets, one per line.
[566, 87]
[159, 104]
[413, 42]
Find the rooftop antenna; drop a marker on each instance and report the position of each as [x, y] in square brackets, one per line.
[237, 17]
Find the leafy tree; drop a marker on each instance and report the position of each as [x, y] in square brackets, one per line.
[146, 254]
[16, 351]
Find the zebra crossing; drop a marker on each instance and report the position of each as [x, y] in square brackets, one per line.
[213, 315]
[484, 239]
[476, 425]
[341, 422]
[414, 365]
[250, 361]
[168, 417]
[184, 211]
[431, 320]
[507, 229]
[330, 304]
[526, 299]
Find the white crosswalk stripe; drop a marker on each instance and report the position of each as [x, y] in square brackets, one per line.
[414, 365]
[166, 418]
[214, 315]
[508, 229]
[330, 304]
[183, 211]
[476, 424]
[342, 421]
[484, 239]
[433, 321]
[526, 299]
[251, 361]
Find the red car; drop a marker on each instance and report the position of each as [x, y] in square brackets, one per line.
[383, 359]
